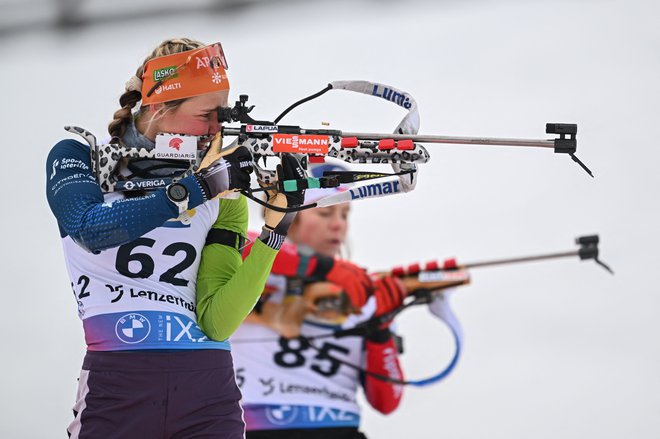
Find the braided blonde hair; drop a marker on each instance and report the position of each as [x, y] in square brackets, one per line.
[131, 97]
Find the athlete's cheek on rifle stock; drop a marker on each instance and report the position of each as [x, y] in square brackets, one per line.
[199, 124]
[198, 116]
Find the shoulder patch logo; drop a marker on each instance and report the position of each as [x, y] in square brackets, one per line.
[55, 165]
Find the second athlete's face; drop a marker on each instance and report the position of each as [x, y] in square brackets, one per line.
[197, 116]
[323, 229]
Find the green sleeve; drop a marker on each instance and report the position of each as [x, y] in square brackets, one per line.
[228, 287]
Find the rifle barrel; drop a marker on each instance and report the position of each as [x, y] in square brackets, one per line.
[488, 141]
[543, 143]
[522, 259]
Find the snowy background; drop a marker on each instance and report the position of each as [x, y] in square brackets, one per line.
[554, 349]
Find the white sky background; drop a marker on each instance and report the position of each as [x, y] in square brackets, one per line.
[555, 349]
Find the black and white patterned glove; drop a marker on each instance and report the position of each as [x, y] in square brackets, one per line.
[230, 172]
[278, 223]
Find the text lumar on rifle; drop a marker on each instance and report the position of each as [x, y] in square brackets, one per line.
[401, 149]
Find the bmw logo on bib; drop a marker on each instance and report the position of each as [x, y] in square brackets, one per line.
[282, 415]
[132, 328]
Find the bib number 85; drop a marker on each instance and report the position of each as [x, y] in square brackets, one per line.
[323, 363]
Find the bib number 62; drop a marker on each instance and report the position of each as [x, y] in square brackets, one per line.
[146, 265]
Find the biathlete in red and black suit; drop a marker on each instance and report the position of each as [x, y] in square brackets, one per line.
[293, 387]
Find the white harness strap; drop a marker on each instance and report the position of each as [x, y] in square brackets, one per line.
[408, 125]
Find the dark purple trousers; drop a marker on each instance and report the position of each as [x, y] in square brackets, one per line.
[185, 394]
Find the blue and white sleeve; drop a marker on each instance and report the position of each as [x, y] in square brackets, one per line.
[76, 200]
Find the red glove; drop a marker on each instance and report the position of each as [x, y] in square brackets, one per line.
[381, 350]
[353, 279]
[381, 358]
[390, 293]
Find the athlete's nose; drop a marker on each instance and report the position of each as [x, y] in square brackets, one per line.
[337, 222]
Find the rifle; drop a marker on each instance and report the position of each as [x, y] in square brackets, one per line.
[430, 287]
[402, 149]
[424, 284]
[432, 271]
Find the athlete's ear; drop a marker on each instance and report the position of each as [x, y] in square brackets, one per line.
[156, 108]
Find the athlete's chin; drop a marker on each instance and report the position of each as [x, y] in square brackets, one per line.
[204, 142]
[331, 248]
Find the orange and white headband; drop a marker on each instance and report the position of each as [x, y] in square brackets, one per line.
[182, 75]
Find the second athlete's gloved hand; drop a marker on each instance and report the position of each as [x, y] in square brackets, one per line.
[354, 280]
[231, 172]
[277, 223]
[390, 294]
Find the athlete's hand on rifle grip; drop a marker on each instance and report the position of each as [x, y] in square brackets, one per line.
[228, 173]
[390, 293]
[319, 290]
[353, 279]
[289, 169]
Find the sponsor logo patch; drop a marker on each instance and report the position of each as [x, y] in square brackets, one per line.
[132, 328]
[282, 415]
[213, 62]
[67, 163]
[437, 276]
[176, 143]
[374, 190]
[172, 146]
[300, 144]
[142, 184]
[217, 78]
[401, 99]
[260, 128]
[168, 87]
[165, 72]
[56, 163]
